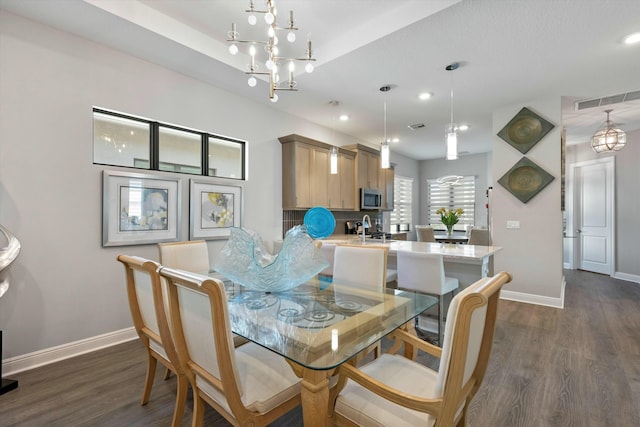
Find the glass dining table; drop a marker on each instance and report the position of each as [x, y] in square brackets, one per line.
[318, 326]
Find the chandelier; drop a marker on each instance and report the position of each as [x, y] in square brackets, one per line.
[273, 61]
[452, 128]
[608, 137]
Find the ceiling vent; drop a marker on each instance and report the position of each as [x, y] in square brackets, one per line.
[416, 126]
[607, 100]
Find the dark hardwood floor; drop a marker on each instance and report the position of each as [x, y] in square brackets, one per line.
[574, 367]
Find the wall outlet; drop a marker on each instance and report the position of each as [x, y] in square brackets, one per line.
[513, 224]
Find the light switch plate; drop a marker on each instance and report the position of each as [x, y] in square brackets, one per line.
[513, 224]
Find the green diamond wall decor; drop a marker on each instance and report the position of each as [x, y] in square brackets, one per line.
[525, 179]
[525, 130]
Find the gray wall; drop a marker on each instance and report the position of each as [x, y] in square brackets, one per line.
[627, 199]
[478, 165]
[64, 286]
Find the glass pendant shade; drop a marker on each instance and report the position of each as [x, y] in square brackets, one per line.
[384, 155]
[333, 161]
[452, 143]
[608, 137]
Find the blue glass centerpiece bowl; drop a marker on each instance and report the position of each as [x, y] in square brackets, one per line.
[245, 260]
[319, 222]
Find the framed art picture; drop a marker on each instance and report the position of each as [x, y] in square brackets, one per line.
[139, 209]
[525, 130]
[214, 209]
[525, 179]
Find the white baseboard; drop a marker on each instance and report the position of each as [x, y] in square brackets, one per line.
[536, 299]
[626, 276]
[65, 351]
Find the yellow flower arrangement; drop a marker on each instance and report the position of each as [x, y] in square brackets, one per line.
[449, 217]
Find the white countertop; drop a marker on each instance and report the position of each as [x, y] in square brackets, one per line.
[445, 249]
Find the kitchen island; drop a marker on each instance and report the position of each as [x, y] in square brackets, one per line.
[467, 263]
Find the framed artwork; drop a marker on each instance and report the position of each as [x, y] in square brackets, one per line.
[214, 209]
[525, 130]
[139, 209]
[525, 179]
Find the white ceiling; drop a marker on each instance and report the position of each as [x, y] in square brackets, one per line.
[510, 52]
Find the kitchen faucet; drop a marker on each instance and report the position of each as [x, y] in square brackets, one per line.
[366, 223]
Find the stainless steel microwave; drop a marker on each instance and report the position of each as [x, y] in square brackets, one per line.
[370, 198]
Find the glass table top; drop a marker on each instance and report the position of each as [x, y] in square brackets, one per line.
[320, 324]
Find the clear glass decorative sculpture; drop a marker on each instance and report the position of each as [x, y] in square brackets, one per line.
[245, 260]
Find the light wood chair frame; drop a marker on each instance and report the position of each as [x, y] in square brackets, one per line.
[162, 337]
[228, 383]
[446, 408]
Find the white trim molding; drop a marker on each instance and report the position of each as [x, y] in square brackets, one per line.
[626, 276]
[39, 358]
[536, 299]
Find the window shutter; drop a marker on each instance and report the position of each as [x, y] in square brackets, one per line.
[460, 195]
[402, 199]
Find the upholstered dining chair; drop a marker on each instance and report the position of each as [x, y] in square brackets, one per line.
[328, 252]
[148, 310]
[190, 256]
[424, 272]
[479, 236]
[424, 233]
[395, 390]
[248, 385]
[363, 266]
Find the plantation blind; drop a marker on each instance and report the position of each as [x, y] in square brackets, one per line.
[452, 196]
[402, 199]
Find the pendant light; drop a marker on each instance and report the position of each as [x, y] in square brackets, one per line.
[384, 145]
[333, 156]
[452, 128]
[608, 137]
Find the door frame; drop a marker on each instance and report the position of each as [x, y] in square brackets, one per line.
[573, 210]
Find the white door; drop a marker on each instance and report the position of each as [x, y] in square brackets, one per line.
[594, 189]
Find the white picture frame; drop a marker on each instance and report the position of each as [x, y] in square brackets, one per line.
[214, 208]
[140, 209]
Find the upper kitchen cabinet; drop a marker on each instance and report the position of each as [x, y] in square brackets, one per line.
[306, 181]
[342, 191]
[367, 167]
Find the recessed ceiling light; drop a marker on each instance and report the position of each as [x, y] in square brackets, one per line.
[463, 127]
[631, 38]
[424, 95]
[395, 140]
[344, 117]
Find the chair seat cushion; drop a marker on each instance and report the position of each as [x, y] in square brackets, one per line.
[265, 377]
[368, 409]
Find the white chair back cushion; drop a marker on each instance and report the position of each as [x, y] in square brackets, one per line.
[424, 233]
[188, 256]
[476, 331]
[421, 272]
[197, 326]
[360, 266]
[144, 294]
[479, 236]
[328, 252]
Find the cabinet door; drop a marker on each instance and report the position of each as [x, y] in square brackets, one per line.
[373, 168]
[303, 156]
[319, 173]
[347, 181]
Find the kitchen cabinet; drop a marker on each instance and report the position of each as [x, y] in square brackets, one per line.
[368, 170]
[342, 194]
[306, 178]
